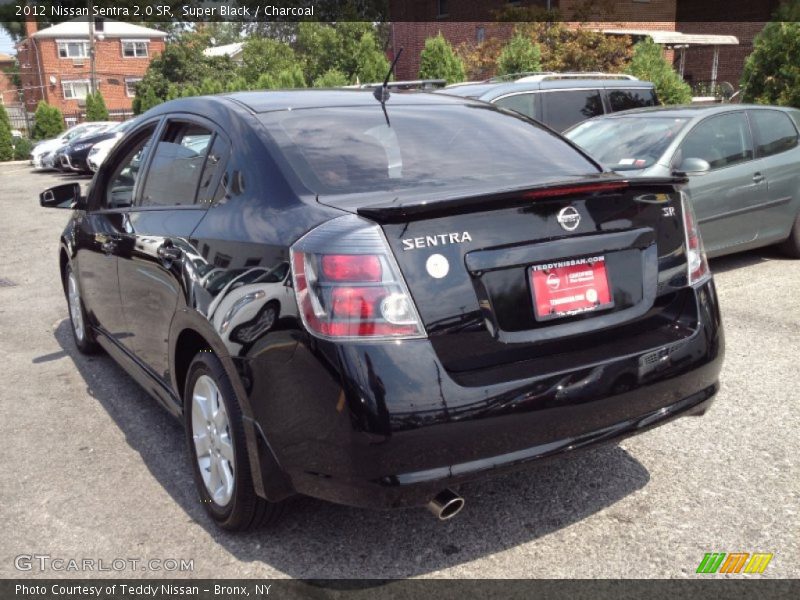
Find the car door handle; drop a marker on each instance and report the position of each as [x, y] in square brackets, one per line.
[758, 177]
[169, 253]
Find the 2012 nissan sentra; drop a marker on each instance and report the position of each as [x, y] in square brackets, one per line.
[372, 300]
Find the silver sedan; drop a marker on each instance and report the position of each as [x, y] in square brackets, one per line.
[742, 163]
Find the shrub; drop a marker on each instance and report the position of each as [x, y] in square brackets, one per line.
[438, 61]
[648, 63]
[48, 122]
[22, 148]
[330, 79]
[772, 71]
[6, 141]
[519, 55]
[96, 107]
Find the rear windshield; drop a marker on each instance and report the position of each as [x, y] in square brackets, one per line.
[352, 149]
[625, 143]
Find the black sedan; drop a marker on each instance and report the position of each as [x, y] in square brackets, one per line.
[72, 157]
[372, 300]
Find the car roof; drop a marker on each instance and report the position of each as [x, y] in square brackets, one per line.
[277, 100]
[492, 90]
[687, 111]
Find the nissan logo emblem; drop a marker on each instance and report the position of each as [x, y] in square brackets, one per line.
[569, 218]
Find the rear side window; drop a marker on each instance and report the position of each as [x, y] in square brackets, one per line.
[174, 173]
[522, 103]
[722, 140]
[443, 149]
[565, 108]
[775, 132]
[212, 173]
[627, 99]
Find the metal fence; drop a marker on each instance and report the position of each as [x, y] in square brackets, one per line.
[18, 118]
[73, 118]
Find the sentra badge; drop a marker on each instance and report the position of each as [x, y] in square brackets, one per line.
[440, 239]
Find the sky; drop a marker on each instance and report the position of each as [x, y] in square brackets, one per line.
[6, 45]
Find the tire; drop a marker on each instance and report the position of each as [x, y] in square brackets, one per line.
[791, 246]
[81, 330]
[222, 471]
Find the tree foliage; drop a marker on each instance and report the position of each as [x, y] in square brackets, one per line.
[565, 48]
[48, 122]
[295, 56]
[96, 107]
[6, 140]
[648, 63]
[264, 56]
[439, 61]
[519, 55]
[772, 71]
[330, 79]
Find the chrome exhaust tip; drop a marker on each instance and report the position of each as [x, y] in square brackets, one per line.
[446, 505]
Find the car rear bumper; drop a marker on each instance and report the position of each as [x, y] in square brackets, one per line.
[385, 425]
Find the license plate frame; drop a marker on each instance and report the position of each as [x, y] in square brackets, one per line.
[569, 287]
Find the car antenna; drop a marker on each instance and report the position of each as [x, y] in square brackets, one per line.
[382, 93]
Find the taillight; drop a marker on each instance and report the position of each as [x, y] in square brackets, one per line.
[697, 263]
[348, 284]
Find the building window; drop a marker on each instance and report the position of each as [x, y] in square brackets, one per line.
[134, 48]
[480, 34]
[130, 86]
[77, 89]
[441, 8]
[67, 49]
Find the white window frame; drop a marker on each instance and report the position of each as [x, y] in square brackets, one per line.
[135, 42]
[128, 82]
[65, 45]
[71, 82]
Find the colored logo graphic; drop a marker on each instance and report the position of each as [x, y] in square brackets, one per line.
[736, 562]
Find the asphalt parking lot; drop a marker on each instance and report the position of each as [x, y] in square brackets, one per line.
[93, 468]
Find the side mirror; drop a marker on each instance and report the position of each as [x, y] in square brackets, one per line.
[67, 195]
[694, 166]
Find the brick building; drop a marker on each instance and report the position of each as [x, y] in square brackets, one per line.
[699, 17]
[8, 91]
[55, 64]
[697, 34]
[472, 21]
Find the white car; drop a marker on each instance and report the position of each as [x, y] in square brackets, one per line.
[41, 155]
[99, 152]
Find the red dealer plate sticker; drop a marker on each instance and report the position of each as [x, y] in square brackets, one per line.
[568, 287]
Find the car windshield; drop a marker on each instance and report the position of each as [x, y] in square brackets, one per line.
[627, 143]
[347, 150]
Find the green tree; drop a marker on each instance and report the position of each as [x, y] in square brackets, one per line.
[96, 107]
[648, 63]
[771, 73]
[331, 79]
[288, 78]
[262, 56]
[146, 100]
[181, 64]
[371, 63]
[48, 121]
[519, 55]
[6, 140]
[438, 61]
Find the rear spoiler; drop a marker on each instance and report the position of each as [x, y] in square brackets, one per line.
[399, 211]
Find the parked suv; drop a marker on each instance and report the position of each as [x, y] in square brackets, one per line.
[371, 301]
[561, 100]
